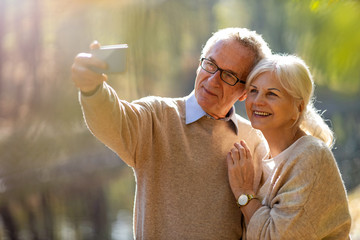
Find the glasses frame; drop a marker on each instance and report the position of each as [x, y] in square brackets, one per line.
[221, 72]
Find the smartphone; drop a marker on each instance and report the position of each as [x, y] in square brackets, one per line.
[114, 56]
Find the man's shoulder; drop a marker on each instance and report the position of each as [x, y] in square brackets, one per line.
[163, 101]
[244, 125]
[160, 105]
[242, 120]
[246, 131]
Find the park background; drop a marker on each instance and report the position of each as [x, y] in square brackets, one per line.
[57, 181]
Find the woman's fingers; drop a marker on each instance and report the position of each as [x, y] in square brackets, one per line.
[246, 149]
[235, 155]
[240, 169]
[229, 159]
[242, 152]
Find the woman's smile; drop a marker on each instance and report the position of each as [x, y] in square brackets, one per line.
[261, 114]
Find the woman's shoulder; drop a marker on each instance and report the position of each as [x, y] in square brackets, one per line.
[311, 152]
[310, 145]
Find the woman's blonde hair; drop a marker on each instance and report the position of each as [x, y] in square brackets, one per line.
[295, 77]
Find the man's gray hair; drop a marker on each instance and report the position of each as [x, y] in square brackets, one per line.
[245, 37]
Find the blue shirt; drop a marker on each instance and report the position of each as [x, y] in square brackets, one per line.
[194, 112]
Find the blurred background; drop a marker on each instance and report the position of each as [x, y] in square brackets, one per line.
[57, 181]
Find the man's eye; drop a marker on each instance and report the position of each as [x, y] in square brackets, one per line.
[210, 65]
[228, 75]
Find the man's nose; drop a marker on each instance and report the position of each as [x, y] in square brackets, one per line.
[215, 78]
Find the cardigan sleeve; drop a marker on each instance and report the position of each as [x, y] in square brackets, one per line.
[120, 125]
[306, 199]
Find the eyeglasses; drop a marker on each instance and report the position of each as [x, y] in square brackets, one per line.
[226, 76]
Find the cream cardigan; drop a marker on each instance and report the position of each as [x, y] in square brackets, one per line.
[182, 189]
[303, 197]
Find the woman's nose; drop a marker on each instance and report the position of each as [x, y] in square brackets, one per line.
[259, 99]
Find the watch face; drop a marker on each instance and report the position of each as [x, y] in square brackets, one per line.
[243, 199]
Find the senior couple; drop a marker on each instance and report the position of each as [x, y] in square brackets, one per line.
[204, 172]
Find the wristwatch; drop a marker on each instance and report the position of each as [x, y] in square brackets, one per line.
[244, 199]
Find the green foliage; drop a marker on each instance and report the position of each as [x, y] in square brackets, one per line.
[330, 42]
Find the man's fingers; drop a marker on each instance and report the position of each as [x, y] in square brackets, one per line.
[85, 79]
[95, 45]
[88, 60]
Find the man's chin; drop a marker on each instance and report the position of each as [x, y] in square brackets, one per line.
[205, 103]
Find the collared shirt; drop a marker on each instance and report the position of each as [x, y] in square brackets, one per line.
[194, 112]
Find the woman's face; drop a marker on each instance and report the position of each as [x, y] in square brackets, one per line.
[269, 106]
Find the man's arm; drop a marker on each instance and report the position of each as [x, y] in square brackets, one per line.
[102, 109]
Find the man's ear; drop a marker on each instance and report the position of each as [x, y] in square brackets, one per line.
[198, 70]
[243, 96]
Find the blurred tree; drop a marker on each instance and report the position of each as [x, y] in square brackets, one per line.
[165, 44]
[2, 31]
[41, 127]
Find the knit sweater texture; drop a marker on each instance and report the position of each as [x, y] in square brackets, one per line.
[182, 188]
[303, 196]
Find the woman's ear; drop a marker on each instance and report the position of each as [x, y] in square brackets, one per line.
[301, 106]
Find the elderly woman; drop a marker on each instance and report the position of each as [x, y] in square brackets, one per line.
[302, 195]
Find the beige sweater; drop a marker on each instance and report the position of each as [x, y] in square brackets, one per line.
[181, 172]
[303, 197]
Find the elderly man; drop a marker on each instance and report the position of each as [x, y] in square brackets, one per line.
[177, 147]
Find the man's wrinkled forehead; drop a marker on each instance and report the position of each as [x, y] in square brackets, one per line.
[239, 60]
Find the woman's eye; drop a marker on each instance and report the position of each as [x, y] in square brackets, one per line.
[272, 94]
[253, 90]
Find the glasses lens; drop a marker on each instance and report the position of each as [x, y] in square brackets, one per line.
[208, 66]
[228, 78]
[211, 67]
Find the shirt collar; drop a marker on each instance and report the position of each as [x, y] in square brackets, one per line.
[194, 112]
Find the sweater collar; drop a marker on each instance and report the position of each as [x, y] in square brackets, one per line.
[194, 112]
